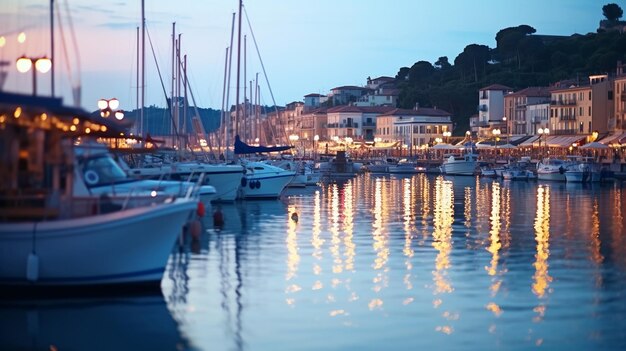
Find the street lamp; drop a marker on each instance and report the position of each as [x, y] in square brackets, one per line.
[42, 64]
[447, 135]
[506, 128]
[108, 107]
[316, 138]
[543, 132]
[496, 133]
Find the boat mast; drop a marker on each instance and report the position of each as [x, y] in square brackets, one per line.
[52, 48]
[137, 78]
[223, 119]
[245, 89]
[228, 125]
[172, 93]
[238, 70]
[143, 66]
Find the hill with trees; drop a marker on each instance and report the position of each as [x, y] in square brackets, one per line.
[520, 59]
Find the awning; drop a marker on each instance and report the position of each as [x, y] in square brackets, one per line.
[615, 138]
[564, 140]
[529, 142]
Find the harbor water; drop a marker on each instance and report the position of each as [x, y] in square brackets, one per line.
[374, 263]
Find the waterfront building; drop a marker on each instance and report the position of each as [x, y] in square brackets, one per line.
[490, 108]
[582, 109]
[358, 123]
[414, 128]
[314, 123]
[618, 123]
[538, 116]
[346, 94]
[313, 101]
[383, 92]
[517, 121]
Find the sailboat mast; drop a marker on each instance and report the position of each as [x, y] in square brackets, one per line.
[238, 70]
[245, 89]
[178, 84]
[137, 82]
[143, 66]
[230, 65]
[185, 103]
[173, 70]
[223, 120]
[52, 48]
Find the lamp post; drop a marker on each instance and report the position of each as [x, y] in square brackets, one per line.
[506, 128]
[316, 138]
[543, 132]
[447, 135]
[496, 133]
[108, 107]
[42, 64]
[294, 138]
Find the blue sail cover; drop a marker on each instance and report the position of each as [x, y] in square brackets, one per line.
[243, 148]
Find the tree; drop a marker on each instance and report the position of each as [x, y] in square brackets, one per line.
[442, 63]
[612, 12]
[473, 57]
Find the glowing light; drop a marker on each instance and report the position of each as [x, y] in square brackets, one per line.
[73, 128]
[87, 130]
[103, 128]
[2, 118]
[153, 193]
[23, 64]
[44, 116]
[102, 104]
[18, 112]
[119, 115]
[21, 38]
[75, 120]
[3, 41]
[43, 64]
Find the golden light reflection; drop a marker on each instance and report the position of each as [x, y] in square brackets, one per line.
[348, 228]
[380, 243]
[408, 231]
[596, 255]
[541, 278]
[494, 233]
[425, 195]
[442, 235]
[467, 208]
[293, 258]
[494, 308]
[316, 241]
[335, 241]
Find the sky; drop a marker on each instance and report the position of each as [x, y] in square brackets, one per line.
[305, 46]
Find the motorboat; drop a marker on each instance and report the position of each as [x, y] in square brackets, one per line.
[339, 167]
[101, 174]
[264, 181]
[584, 170]
[464, 164]
[51, 237]
[225, 178]
[404, 166]
[552, 169]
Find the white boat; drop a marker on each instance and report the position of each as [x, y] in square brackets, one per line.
[223, 177]
[339, 167]
[464, 164]
[125, 246]
[378, 166]
[51, 237]
[406, 167]
[552, 169]
[263, 181]
[583, 170]
[488, 172]
[97, 173]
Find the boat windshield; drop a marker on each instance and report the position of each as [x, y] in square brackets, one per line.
[102, 170]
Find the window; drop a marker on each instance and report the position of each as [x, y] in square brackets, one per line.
[589, 110]
[589, 130]
[589, 95]
[610, 95]
[580, 127]
[580, 111]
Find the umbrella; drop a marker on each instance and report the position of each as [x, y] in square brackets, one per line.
[594, 145]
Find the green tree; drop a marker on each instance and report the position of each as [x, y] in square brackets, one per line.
[612, 11]
[442, 63]
[472, 58]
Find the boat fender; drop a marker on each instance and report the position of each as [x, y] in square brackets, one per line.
[258, 184]
[561, 170]
[244, 181]
[91, 177]
[252, 184]
[200, 211]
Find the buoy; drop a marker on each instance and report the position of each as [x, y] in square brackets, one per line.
[294, 216]
[218, 218]
[200, 211]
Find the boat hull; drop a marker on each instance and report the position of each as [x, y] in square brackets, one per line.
[259, 186]
[459, 168]
[551, 176]
[130, 246]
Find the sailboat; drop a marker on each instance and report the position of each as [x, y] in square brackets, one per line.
[261, 179]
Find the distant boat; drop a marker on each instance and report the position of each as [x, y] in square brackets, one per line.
[464, 164]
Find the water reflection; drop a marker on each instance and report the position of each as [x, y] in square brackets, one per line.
[400, 263]
[113, 323]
